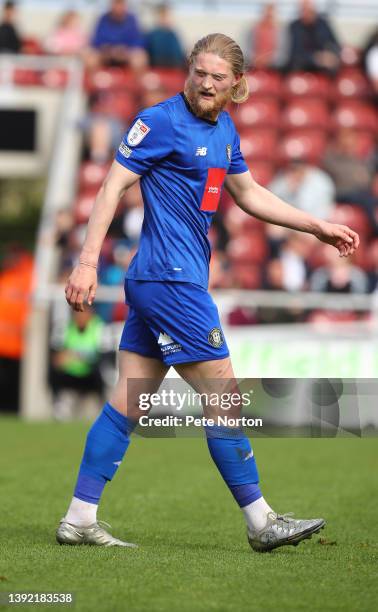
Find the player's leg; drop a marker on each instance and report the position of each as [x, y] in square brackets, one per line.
[232, 453]
[109, 437]
[229, 447]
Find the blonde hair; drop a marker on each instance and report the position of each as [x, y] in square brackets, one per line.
[229, 50]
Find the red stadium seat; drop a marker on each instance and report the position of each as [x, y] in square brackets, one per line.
[353, 216]
[307, 85]
[112, 79]
[352, 83]
[306, 114]
[91, 175]
[246, 276]
[23, 76]
[171, 80]
[307, 145]
[354, 114]
[260, 112]
[238, 222]
[116, 104]
[31, 46]
[83, 205]
[264, 83]
[54, 78]
[262, 171]
[365, 144]
[258, 144]
[248, 247]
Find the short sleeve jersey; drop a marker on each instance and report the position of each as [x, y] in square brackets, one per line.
[183, 161]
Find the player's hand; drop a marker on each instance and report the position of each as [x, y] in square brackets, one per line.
[344, 239]
[81, 285]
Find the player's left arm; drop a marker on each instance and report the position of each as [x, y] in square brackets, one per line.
[257, 201]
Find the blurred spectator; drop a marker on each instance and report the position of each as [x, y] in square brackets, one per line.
[276, 279]
[117, 40]
[127, 223]
[266, 40]
[75, 363]
[339, 275]
[68, 38]
[15, 287]
[163, 45]
[312, 43]
[10, 40]
[370, 59]
[305, 187]
[102, 129]
[352, 175]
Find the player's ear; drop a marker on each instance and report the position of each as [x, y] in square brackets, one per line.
[236, 79]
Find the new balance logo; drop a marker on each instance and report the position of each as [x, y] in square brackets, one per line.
[164, 339]
[202, 151]
[244, 456]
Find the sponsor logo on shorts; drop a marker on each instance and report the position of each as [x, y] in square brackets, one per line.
[168, 346]
[228, 152]
[124, 150]
[215, 337]
[137, 132]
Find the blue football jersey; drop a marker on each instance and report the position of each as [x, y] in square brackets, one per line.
[183, 161]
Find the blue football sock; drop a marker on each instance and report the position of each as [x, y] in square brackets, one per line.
[106, 445]
[232, 454]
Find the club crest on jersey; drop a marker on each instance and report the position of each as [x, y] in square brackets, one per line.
[215, 337]
[136, 134]
[228, 151]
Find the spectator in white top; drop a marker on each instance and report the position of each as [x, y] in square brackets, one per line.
[307, 187]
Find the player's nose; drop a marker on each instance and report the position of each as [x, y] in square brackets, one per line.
[207, 82]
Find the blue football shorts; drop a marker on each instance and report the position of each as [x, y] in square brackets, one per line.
[173, 322]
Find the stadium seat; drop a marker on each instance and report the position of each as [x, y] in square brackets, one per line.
[352, 83]
[260, 112]
[113, 79]
[237, 222]
[365, 143]
[246, 276]
[308, 145]
[262, 171]
[54, 78]
[248, 247]
[112, 104]
[83, 205]
[355, 114]
[171, 80]
[353, 216]
[258, 144]
[307, 85]
[264, 83]
[309, 113]
[23, 76]
[31, 46]
[91, 175]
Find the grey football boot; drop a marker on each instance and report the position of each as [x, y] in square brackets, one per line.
[93, 534]
[283, 530]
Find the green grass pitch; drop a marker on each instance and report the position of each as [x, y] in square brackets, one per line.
[193, 554]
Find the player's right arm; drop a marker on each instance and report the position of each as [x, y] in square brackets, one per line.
[82, 283]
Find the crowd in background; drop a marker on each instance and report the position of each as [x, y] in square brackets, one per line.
[120, 59]
[305, 132]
